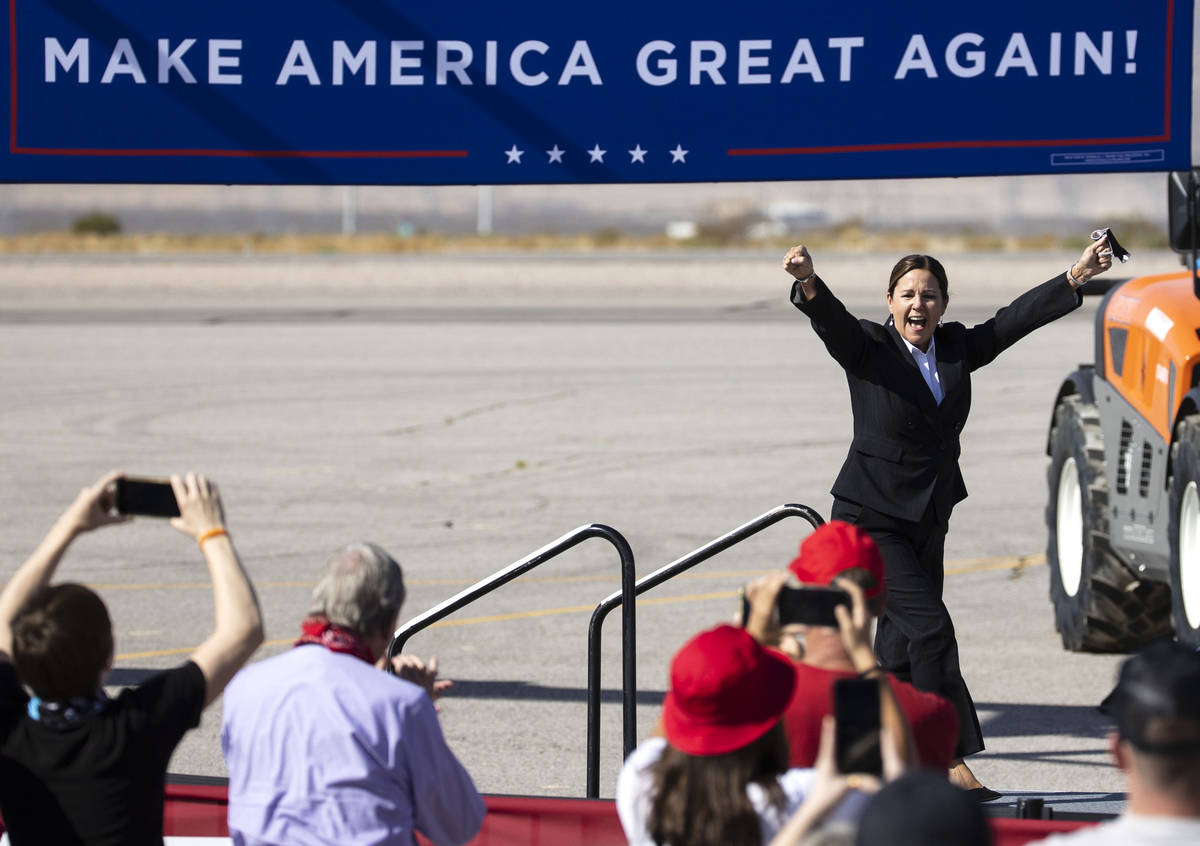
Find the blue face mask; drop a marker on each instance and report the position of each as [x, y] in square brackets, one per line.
[69, 714]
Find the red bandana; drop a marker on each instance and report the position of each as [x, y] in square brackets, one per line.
[333, 637]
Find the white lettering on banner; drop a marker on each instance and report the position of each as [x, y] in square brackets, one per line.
[580, 63]
[56, 57]
[453, 63]
[169, 59]
[707, 57]
[916, 57]
[298, 63]
[844, 46]
[457, 66]
[803, 60]
[364, 59]
[400, 62]
[514, 62]
[974, 57]
[218, 60]
[668, 69]
[124, 61]
[1016, 55]
[489, 63]
[532, 63]
[1101, 57]
[747, 61]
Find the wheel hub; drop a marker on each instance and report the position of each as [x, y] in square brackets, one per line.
[1189, 553]
[1069, 530]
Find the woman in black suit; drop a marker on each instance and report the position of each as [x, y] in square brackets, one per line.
[910, 394]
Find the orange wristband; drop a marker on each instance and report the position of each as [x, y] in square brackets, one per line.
[210, 534]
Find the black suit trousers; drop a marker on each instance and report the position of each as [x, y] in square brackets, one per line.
[915, 637]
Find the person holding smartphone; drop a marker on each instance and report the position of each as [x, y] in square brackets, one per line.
[910, 395]
[833, 551]
[75, 765]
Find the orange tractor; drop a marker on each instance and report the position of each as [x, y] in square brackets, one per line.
[1123, 514]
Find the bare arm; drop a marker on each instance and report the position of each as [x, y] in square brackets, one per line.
[90, 510]
[828, 789]
[238, 630]
[854, 625]
[763, 594]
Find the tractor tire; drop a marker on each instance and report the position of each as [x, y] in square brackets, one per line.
[1183, 524]
[1100, 605]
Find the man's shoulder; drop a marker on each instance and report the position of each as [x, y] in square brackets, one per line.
[181, 687]
[813, 686]
[813, 672]
[12, 698]
[316, 668]
[1131, 828]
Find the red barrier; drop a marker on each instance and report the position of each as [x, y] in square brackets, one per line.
[196, 810]
[1008, 832]
[513, 820]
[200, 810]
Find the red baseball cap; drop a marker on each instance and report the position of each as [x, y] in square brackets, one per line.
[834, 548]
[727, 691]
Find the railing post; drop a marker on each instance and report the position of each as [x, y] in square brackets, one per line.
[623, 597]
[628, 633]
[628, 680]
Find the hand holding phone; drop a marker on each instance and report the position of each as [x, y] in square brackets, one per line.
[144, 496]
[811, 606]
[857, 737]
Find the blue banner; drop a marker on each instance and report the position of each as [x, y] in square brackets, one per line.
[396, 92]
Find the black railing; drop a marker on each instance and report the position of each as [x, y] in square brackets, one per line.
[644, 584]
[628, 633]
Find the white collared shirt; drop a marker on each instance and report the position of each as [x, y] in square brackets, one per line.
[927, 364]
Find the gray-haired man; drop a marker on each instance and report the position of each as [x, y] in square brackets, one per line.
[323, 747]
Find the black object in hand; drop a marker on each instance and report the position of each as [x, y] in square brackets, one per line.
[1119, 253]
[147, 497]
[856, 719]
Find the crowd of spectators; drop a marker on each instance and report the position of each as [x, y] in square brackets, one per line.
[333, 742]
[322, 744]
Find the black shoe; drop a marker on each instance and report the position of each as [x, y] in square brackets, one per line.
[983, 794]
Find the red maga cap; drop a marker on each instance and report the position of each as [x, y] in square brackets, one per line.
[727, 691]
[834, 548]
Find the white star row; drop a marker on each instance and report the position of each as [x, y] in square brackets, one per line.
[596, 156]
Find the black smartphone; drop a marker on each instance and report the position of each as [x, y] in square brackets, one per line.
[856, 711]
[147, 497]
[812, 606]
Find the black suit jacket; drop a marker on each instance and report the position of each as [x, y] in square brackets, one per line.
[905, 449]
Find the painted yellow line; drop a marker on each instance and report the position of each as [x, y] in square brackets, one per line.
[968, 565]
[1007, 562]
[183, 585]
[154, 653]
[525, 580]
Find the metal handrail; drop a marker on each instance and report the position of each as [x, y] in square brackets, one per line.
[628, 632]
[696, 556]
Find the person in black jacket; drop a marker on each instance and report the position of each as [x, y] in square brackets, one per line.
[910, 394]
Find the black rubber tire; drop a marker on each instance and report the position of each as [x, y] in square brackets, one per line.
[1113, 610]
[1185, 470]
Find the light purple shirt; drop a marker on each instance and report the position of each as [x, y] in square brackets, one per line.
[323, 748]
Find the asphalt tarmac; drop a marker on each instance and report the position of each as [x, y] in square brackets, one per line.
[465, 411]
